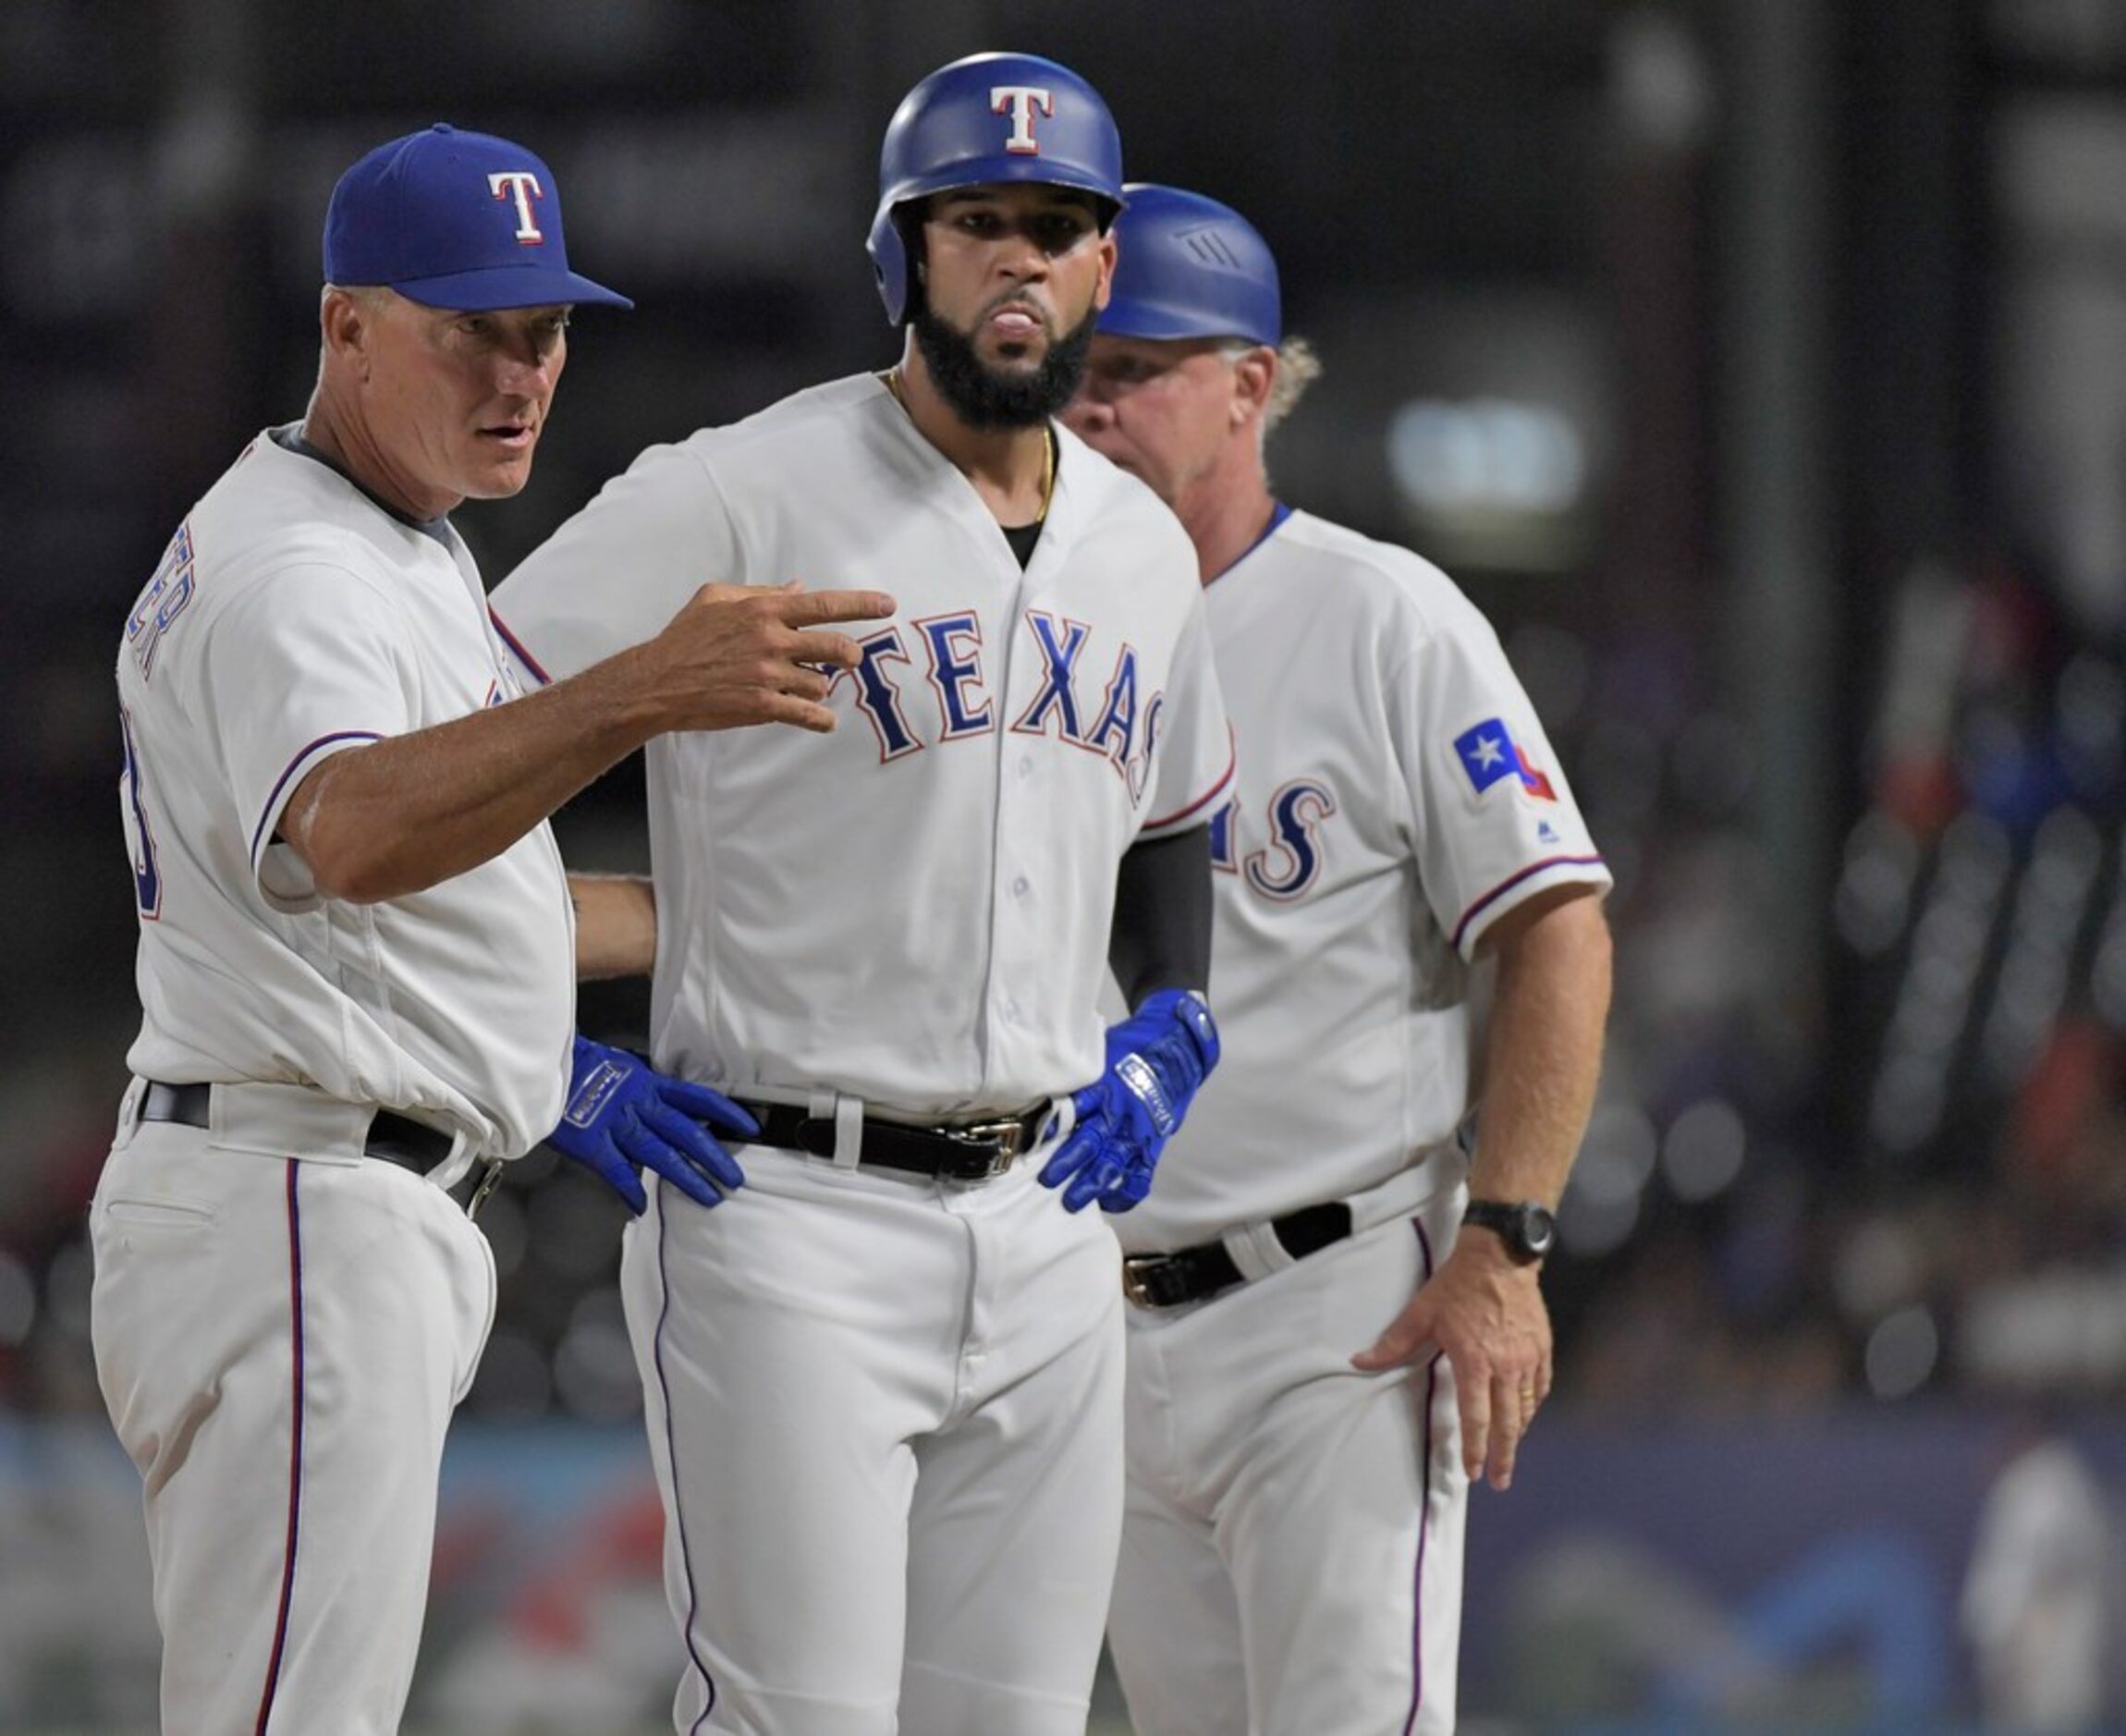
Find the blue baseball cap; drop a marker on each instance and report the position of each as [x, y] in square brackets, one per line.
[453, 219]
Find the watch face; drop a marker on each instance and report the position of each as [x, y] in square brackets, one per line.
[1526, 1227]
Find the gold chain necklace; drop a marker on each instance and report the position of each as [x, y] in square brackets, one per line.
[1048, 445]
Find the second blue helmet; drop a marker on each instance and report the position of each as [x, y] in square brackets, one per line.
[1188, 266]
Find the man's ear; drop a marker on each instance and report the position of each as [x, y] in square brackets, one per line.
[345, 324]
[1104, 291]
[1254, 376]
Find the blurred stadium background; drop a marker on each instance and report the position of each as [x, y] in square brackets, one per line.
[1759, 365]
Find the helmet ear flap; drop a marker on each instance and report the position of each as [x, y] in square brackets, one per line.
[896, 257]
[889, 264]
[907, 221]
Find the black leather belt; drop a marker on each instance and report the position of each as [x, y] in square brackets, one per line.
[1166, 1280]
[971, 1151]
[395, 1137]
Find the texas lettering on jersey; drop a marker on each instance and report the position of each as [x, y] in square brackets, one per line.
[1121, 724]
[1290, 865]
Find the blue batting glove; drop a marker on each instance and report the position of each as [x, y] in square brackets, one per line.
[624, 1117]
[1156, 1060]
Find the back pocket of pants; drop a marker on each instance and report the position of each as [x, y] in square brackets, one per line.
[158, 1213]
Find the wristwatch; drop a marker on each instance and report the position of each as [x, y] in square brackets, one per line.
[1526, 1228]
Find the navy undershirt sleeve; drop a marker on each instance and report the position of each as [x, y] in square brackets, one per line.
[1162, 933]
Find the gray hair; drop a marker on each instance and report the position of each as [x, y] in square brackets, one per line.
[368, 294]
[1298, 368]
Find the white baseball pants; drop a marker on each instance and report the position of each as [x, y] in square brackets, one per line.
[281, 1344]
[1292, 1546]
[885, 1419]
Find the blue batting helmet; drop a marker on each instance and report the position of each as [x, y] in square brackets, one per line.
[1190, 267]
[989, 117]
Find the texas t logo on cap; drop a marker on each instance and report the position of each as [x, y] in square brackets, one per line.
[452, 219]
[523, 187]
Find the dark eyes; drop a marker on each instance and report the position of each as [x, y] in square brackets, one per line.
[1056, 231]
[485, 328]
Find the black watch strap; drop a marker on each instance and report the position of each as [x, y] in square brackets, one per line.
[1526, 1227]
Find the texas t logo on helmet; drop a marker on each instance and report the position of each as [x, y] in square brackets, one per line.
[1020, 100]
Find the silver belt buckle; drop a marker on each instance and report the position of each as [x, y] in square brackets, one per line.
[1013, 1135]
[1133, 1284]
[1010, 1137]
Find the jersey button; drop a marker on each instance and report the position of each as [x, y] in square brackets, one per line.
[1021, 887]
[1025, 766]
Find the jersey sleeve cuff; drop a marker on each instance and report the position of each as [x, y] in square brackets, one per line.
[1197, 811]
[1589, 870]
[323, 749]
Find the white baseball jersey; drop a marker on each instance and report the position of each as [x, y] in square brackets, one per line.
[913, 909]
[293, 1336]
[293, 617]
[1396, 796]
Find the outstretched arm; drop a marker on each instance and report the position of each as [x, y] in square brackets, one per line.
[404, 814]
[1481, 1308]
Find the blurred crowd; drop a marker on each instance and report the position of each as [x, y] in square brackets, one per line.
[1934, 1204]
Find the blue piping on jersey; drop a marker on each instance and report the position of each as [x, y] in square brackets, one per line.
[517, 649]
[1513, 880]
[258, 831]
[1211, 794]
[1279, 512]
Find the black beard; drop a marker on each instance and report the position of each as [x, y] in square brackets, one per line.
[983, 397]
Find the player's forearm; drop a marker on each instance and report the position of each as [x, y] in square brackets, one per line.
[1161, 935]
[408, 813]
[1545, 1051]
[615, 925]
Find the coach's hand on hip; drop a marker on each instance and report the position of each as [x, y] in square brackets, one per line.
[740, 654]
[1485, 1312]
[624, 1117]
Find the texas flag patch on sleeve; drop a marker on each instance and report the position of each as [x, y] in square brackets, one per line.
[1489, 753]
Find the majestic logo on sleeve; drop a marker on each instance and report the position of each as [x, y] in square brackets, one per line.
[521, 186]
[1021, 101]
[1489, 755]
[1118, 721]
